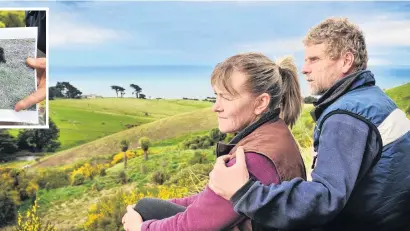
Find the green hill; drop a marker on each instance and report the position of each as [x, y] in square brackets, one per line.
[401, 95]
[85, 120]
[166, 128]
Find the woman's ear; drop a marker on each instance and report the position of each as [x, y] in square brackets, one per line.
[262, 103]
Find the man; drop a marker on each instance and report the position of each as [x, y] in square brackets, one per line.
[36, 19]
[361, 178]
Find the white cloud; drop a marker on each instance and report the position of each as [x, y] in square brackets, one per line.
[381, 32]
[378, 62]
[277, 46]
[66, 30]
[386, 32]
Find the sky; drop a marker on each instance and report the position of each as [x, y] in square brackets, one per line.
[170, 48]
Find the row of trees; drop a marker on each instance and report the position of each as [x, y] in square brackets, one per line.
[137, 91]
[33, 140]
[64, 90]
[67, 90]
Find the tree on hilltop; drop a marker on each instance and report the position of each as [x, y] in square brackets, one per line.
[137, 90]
[116, 89]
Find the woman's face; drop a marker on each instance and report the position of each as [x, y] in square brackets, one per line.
[234, 112]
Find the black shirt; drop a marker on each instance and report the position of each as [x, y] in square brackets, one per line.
[38, 19]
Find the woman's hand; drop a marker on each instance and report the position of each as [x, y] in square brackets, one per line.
[132, 220]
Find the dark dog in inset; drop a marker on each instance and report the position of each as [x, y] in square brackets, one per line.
[2, 59]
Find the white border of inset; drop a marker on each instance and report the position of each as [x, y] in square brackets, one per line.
[24, 113]
[21, 116]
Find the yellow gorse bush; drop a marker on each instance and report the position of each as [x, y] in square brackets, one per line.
[31, 221]
[105, 208]
[91, 219]
[87, 171]
[166, 193]
[120, 156]
[6, 179]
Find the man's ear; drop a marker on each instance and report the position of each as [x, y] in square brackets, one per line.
[262, 103]
[348, 60]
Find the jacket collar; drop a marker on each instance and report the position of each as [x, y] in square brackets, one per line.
[353, 81]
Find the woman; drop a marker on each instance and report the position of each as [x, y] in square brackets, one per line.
[257, 99]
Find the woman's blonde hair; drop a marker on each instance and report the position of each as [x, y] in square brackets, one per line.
[279, 80]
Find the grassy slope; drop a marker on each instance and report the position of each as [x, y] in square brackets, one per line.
[82, 121]
[170, 127]
[401, 95]
[57, 204]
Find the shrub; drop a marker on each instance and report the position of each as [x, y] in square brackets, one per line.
[77, 178]
[27, 190]
[123, 177]
[32, 222]
[107, 213]
[194, 178]
[206, 144]
[51, 179]
[193, 146]
[159, 177]
[26, 185]
[102, 172]
[198, 158]
[97, 186]
[216, 135]
[120, 157]
[87, 171]
[8, 206]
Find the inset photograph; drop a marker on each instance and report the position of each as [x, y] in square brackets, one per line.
[22, 81]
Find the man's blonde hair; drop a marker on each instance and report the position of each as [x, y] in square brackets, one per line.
[340, 36]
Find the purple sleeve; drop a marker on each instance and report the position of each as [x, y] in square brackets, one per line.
[210, 211]
[186, 201]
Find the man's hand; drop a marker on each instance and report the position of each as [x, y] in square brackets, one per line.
[226, 181]
[40, 65]
[132, 220]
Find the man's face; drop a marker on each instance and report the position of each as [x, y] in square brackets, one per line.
[320, 70]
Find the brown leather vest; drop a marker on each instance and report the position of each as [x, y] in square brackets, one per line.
[274, 140]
